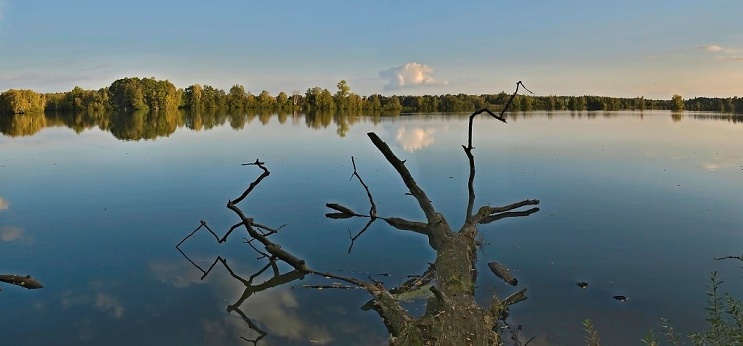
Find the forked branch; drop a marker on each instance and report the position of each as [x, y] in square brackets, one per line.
[469, 147]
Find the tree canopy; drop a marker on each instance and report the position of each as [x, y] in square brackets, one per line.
[135, 94]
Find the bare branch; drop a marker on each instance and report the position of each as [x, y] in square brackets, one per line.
[403, 224]
[267, 230]
[471, 178]
[353, 238]
[373, 208]
[499, 117]
[496, 217]
[407, 178]
[488, 214]
[203, 224]
[469, 147]
[342, 209]
[254, 183]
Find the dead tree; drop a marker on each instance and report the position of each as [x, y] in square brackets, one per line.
[452, 317]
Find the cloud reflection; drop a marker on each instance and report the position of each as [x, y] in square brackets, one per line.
[722, 163]
[414, 139]
[11, 234]
[176, 274]
[277, 311]
[3, 204]
[101, 302]
[85, 331]
[110, 305]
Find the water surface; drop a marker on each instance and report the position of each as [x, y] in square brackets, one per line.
[635, 204]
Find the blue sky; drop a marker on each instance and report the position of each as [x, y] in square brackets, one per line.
[620, 48]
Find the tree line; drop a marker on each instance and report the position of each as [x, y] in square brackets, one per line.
[136, 94]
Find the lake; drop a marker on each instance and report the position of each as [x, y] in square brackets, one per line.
[633, 203]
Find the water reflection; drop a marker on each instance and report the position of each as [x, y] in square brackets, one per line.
[22, 124]
[448, 286]
[683, 198]
[145, 125]
[14, 234]
[415, 138]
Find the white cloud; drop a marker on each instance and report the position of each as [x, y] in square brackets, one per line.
[414, 139]
[711, 48]
[410, 75]
[733, 54]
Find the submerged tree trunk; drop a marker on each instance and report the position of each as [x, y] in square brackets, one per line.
[452, 316]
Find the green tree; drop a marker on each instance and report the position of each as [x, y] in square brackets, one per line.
[158, 94]
[341, 96]
[265, 100]
[729, 105]
[374, 102]
[640, 103]
[126, 94]
[213, 98]
[192, 96]
[677, 103]
[355, 102]
[516, 104]
[237, 98]
[282, 100]
[16, 101]
[393, 103]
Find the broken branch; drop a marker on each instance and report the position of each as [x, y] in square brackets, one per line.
[407, 178]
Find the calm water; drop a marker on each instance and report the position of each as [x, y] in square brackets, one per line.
[635, 204]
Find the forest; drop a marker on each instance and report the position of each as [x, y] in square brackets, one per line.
[133, 94]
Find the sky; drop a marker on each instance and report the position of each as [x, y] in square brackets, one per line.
[625, 48]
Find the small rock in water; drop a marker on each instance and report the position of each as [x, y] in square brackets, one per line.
[621, 298]
[582, 284]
